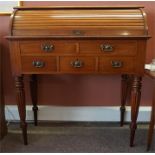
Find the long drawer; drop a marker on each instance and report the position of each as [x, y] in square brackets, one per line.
[47, 47]
[109, 47]
[99, 47]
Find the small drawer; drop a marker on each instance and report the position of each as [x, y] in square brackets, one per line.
[109, 47]
[77, 64]
[47, 47]
[116, 64]
[38, 64]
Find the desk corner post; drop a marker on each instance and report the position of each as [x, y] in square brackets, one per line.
[20, 96]
[135, 102]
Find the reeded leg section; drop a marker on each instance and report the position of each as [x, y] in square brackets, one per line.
[135, 101]
[152, 122]
[34, 97]
[124, 93]
[20, 95]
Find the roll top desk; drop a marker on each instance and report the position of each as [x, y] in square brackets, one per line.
[78, 40]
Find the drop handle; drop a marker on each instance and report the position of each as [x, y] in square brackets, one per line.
[117, 64]
[47, 47]
[38, 64]
[106, 47]
[77, 63]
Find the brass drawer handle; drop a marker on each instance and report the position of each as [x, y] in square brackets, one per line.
[106, 47]
[38, 64]
[117, 64]
[77, 64]
[47, 47]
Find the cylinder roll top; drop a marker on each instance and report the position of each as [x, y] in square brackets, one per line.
[79, 21]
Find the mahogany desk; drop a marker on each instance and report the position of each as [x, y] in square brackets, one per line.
[78, 40]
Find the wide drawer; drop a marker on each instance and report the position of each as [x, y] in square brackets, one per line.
[38, 64]
[116, 64]
[47, 47]
[109, 47]
[78, 64]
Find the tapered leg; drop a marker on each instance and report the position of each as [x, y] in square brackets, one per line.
[152, 122]
[20, 94]
[124, 93]
[33, 92]
[135, 101]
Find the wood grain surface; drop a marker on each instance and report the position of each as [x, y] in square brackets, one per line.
[95, 21]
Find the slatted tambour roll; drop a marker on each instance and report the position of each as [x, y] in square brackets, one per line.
[79, 21]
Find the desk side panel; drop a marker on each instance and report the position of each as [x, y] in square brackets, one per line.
[15, 58]
[141, 55]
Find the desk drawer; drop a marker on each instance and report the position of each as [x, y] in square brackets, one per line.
[38, 64]
[109, 47]
[116, 64]
[47, 47]
[77, 64]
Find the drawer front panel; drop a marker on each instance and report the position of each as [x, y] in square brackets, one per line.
[78, 64]
[116, 64]
[47, 47]
[109, 47]
[38, 64]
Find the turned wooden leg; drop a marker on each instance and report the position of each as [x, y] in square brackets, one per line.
[20, 94]
[135, 101]
[124, 93]
[33, 92]
[152, 122]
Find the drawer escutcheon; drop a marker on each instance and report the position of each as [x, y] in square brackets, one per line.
[117, 64]
[78, 32]
[77, 63]
[38, 64]
[106, 47]
[47, 47]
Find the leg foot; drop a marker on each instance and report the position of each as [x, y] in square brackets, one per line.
[24, 130]
[133, 128]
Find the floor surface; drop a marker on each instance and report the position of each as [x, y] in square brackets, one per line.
[75, 138]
